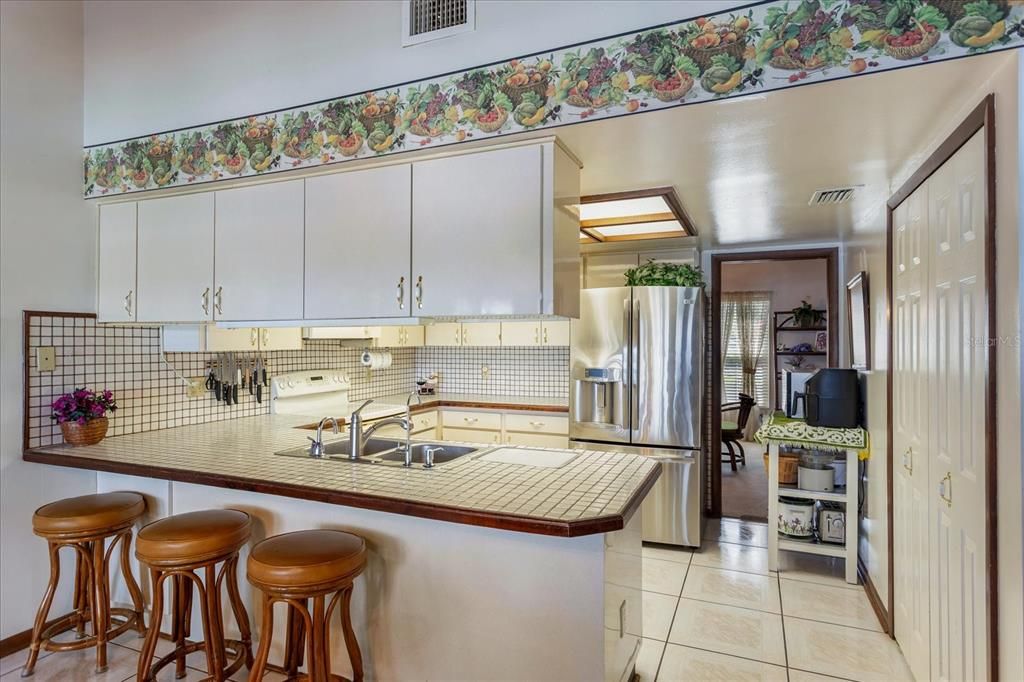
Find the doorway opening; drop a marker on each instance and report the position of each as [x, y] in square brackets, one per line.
[773, 323]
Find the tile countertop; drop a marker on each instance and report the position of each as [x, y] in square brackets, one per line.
[596, 492]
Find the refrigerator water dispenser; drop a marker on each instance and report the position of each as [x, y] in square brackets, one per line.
[598, 397]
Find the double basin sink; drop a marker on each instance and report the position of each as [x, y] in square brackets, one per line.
[385, 451]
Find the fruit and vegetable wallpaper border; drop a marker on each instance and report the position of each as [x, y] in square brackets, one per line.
[755, 48]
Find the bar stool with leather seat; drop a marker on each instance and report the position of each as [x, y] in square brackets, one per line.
[85, 524]
[177, 548]
[295, 568]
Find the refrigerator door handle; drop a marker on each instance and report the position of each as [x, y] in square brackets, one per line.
[634, 366]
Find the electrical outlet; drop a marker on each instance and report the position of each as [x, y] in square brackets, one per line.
[196, 388]
[485, 372]
[46, 358]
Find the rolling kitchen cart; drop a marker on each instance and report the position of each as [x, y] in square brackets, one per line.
[781, 430]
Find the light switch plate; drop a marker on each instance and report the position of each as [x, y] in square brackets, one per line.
[46, 358]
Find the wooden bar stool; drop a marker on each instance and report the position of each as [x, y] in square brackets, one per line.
[178, 547]
[85, 524]
[295, 568]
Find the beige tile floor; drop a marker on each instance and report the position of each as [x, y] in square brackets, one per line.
[734, 620]
[717, 614]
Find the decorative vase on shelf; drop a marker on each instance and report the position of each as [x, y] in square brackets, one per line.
[90, 433]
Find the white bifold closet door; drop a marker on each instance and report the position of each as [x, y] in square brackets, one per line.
[939, 388]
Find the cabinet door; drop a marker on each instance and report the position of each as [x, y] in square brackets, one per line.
[414, 336]
[481, 334]
[358, 232]
[607, 269]
[259, 252]
[240, 339]
[281, 338]
[476, 233]
[443, 334]
[176, 259]
[390, 337]
[115, 300]
[537, 440]
[555, 333]
[520, 333]
[470, 435]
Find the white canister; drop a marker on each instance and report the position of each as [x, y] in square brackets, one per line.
[818, 478]
[796, 517]
[839, 478]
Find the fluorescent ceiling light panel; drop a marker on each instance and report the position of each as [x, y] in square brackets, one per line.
[623, 208]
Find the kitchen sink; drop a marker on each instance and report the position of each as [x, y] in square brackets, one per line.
[443, 453]
[385, 451]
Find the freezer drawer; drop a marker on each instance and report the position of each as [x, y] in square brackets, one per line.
[672, 510]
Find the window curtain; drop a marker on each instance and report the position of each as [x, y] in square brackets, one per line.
[745, 331]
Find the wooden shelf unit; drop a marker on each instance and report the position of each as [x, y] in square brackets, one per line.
[782, 324]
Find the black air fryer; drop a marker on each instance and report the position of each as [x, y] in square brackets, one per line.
[832, 398]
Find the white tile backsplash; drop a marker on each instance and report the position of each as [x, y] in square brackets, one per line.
[151, 394]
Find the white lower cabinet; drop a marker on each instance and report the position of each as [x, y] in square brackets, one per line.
[537, 440]
[470, 435]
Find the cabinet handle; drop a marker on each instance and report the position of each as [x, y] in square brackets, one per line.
[206, 301]
[419, 291]
[218, 301]
[401, 293]
[536, 336]
[253, 338]
[465, 336]
[128, 302]
[908, 461]
[470, 420]
[265, 334]
[537, 424]
[545, 336]
[946, 489]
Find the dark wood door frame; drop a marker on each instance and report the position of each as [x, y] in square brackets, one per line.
[831, 256]
[981, 117]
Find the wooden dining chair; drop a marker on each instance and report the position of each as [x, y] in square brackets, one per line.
[732, 431]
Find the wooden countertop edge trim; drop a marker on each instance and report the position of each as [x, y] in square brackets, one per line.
[437, 512]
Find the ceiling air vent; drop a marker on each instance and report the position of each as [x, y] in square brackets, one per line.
[424, 20]
[824, 197]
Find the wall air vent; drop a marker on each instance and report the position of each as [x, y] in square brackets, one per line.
[837, 195]
[424, 20]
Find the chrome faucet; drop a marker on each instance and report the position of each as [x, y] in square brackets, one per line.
[316, 447]
[408, 430]
[358, 437]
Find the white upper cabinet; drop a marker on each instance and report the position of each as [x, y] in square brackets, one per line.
[520, 333]
[259, 252]
[280, 338]
[358, 241]
[481, 334]
[555, 333]
[117, 242]
[494, 233]
[176, 259]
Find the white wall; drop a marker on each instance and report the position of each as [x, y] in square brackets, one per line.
[46, 263]
[153, 66]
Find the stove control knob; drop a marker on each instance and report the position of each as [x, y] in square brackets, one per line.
[291, 384]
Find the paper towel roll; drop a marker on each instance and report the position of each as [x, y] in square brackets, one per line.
[376, 359]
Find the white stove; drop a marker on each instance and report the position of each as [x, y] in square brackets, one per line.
[318, 393]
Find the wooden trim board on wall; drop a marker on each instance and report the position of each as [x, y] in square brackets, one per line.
[982, 116]
[831, 256]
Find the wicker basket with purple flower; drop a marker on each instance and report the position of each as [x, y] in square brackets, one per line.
[82, 415]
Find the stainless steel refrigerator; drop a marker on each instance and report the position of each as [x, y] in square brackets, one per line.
[636, 386]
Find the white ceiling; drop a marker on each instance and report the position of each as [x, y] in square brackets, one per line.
[745, 169]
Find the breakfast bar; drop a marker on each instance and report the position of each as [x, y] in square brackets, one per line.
[510, 556]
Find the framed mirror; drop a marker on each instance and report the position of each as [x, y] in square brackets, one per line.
[857, 310]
